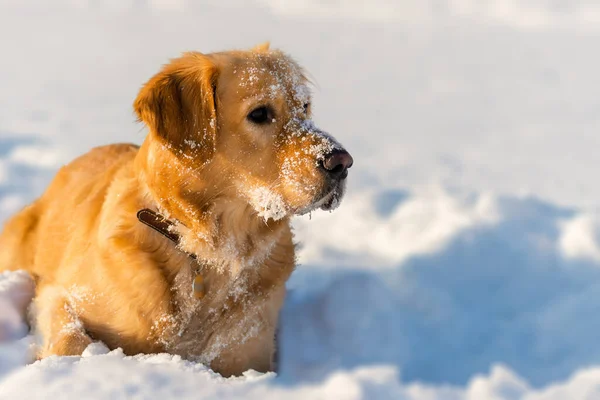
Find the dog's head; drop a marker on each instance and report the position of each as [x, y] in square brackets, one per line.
[241, 123]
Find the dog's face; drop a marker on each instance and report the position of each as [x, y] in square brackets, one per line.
[242, 120]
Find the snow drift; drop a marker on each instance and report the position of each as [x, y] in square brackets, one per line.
[481, 285]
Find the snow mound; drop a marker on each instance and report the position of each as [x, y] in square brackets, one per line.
[479, 283]
[113, 376]
[16, 292]
[400, 225]
[580, 237]
[444, 285]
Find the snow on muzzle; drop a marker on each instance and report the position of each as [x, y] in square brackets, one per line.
[320, 166]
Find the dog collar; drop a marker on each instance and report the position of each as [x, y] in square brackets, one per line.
[166, 228]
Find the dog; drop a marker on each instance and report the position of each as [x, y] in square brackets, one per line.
[183, 244]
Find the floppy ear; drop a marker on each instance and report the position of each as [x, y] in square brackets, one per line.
[178, 106]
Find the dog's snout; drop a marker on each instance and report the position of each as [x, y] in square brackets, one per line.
[337, 163]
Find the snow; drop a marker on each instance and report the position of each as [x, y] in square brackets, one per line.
[498, 290]
[579, 237]
[268, 204]
[16, 292]
[458, 315]
[463, 263]
[400, 225]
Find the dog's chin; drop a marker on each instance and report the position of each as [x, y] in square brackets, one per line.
[332, 200]
[328, 202]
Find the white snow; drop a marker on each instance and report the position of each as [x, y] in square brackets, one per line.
[16, 292]
[267, 203]
[464, 262]
[461, 311]
[400, 226]
[579, 237]
[34, 156]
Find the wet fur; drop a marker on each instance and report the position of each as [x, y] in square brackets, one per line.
[102, 275]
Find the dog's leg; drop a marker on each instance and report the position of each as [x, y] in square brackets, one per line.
[255, 351]
[59, 325]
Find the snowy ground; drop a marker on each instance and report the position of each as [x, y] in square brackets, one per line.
[465, 260]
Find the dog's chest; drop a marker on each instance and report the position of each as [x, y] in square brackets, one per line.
[231, 313]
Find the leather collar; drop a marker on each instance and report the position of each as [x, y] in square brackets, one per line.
[165, 227]
[161, 225]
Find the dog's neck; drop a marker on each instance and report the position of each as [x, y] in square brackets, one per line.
[224, 233]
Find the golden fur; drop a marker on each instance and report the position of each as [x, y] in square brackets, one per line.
[230, 184]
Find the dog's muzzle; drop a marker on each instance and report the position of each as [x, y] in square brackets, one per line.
[335, 165]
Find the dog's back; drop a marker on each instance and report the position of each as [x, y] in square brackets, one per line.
[18, 239]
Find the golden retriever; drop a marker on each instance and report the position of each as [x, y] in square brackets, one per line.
[183, 245]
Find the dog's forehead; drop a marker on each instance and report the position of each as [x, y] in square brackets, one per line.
[272, 73]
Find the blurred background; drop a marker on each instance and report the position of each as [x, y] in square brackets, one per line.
[469, 240]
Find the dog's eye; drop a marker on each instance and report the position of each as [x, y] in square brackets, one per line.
[306, 105]
[260, 115]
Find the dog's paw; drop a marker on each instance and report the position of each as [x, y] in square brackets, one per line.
[72, 343]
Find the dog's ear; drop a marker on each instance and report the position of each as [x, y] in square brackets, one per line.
[178, 106]
[262, 48]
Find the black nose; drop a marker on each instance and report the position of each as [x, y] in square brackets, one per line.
[337, 163]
